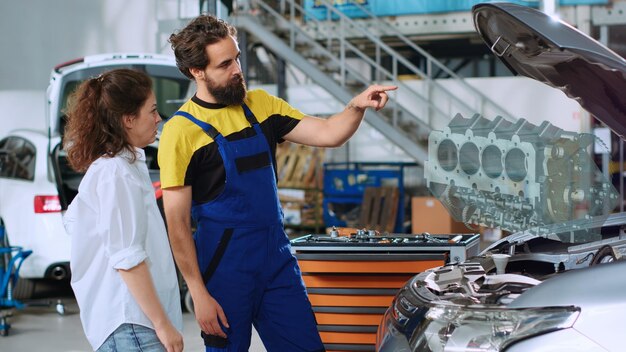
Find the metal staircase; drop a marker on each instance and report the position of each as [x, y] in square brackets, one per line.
[344, 56]
[345, 67]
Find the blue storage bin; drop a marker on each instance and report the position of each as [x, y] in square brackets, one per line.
[345, 184]
[318, 11]
[583, 2]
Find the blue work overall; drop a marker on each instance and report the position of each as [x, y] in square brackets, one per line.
[244, 253]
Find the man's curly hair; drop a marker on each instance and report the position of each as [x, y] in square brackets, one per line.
[189, 43]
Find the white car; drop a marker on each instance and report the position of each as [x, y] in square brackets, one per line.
[36, 183]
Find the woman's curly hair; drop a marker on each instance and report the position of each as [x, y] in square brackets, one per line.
[94, 115]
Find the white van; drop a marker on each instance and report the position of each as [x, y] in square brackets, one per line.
[36, 183]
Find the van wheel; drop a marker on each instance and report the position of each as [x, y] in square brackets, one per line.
[188, 301]
[24, 289]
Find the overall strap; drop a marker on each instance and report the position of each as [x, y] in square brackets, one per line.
[207, 128]
[249, 115]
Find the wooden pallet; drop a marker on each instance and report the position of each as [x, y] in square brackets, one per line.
[379, 208]
[299, 166]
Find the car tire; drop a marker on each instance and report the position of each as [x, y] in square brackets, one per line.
[188, 301]
[24, 289]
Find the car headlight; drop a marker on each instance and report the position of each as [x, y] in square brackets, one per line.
[449, 328]
[402, 309]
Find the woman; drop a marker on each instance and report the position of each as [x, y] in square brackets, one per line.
[123, 274]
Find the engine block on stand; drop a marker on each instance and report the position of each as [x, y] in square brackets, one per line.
[515, 175]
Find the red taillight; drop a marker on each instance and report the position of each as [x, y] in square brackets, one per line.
[158, 192]
[47, 204]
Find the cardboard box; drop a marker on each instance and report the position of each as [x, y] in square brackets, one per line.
[429, 215]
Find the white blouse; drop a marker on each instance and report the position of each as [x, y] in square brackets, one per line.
[115, 224]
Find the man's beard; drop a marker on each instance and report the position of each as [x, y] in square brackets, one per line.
[232, 93]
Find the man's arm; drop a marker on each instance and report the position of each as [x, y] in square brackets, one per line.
[177, 206]
[337, 129]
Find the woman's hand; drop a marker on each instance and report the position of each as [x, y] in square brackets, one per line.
[171, 339]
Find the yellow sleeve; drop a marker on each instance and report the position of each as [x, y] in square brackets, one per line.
[284, 109]
[175, 152]
[261, 100]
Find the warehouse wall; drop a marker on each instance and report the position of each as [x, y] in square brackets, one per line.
[38, 34]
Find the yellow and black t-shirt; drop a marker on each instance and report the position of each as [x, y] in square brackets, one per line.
[189, 157]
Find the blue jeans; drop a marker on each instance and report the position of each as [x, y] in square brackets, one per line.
[132, 337]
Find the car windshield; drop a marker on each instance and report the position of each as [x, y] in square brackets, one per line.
[520, 177]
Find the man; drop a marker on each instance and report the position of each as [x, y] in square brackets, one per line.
[217, 158]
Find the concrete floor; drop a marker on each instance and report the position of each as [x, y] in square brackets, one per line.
[41, 328]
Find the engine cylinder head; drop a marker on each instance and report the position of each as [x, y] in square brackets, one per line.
[469, 158]
[491, 160]
[447, 155]
[515, 165]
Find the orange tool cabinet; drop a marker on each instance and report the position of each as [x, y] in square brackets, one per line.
[351, 280]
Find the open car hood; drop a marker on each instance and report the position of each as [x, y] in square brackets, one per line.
[538, 46]
[523, 177]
